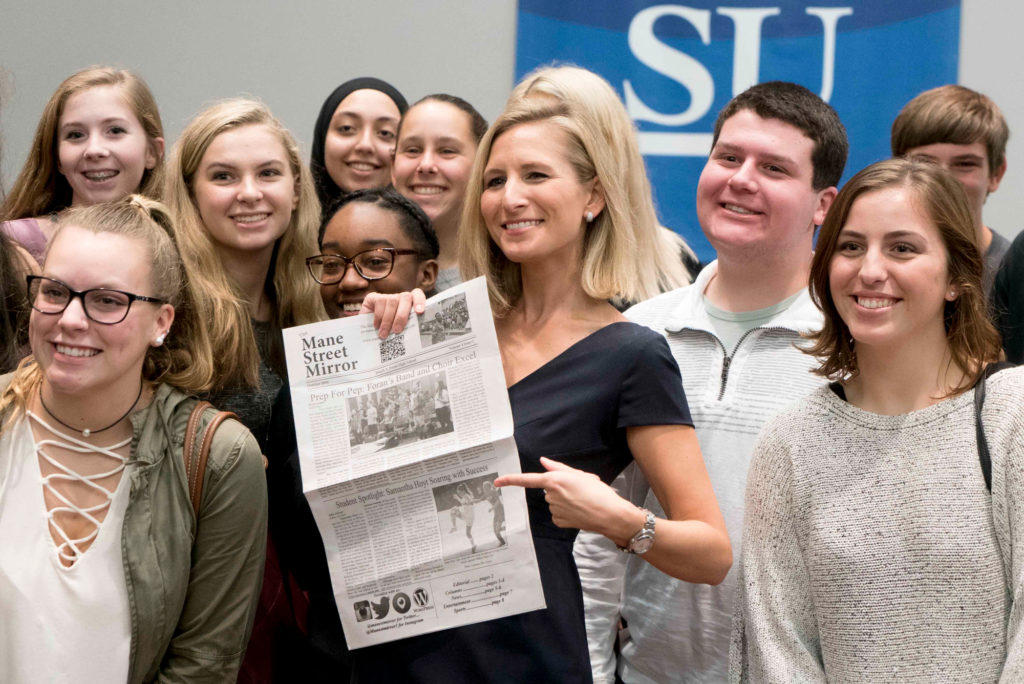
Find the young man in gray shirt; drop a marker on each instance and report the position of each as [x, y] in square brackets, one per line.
[777, 154]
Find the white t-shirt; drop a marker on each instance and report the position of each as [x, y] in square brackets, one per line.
[58, 624]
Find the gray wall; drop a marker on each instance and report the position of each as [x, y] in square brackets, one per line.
[292, 55]
[989, 47]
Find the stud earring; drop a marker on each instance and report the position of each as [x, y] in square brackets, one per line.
[159, 339]
[590, 217]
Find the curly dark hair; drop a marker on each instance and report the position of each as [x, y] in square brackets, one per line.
[415, 224]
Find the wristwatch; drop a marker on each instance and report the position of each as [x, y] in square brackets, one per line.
[643, 540]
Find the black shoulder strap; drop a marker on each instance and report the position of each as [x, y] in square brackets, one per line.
[979, 400]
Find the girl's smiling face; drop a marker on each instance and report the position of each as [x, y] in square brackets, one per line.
[102, 148]
[77, 355]
[245, 189]
[434, 158]
[361, 140]
[889, 274]
[361, 226]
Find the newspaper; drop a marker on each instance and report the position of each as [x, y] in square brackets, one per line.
[399, 443]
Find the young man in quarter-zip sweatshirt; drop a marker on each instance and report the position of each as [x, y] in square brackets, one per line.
[777, 154]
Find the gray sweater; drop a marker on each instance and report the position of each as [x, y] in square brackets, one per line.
[872, 551]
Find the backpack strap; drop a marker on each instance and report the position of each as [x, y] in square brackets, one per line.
[197, 448]
[979, 401]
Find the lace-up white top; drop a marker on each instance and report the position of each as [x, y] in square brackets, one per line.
[63, 620]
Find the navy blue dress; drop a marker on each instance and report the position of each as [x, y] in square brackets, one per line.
[574, 409]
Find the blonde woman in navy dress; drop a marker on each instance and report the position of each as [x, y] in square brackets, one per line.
[546, 222]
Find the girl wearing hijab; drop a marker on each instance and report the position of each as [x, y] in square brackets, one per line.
[354, 138]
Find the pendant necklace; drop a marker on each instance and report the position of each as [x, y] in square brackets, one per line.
[86, 432]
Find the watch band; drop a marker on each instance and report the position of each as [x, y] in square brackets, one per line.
[643, 540]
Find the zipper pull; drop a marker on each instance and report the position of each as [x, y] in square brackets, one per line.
[726, 360]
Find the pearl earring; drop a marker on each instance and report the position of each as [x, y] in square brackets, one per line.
[159, 339]
[590, 217]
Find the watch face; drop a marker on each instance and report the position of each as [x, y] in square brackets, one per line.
[642, 544]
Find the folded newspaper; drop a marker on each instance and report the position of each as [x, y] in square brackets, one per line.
[400, 441]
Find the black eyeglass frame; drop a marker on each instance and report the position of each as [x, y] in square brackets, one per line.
[351, 261]
[73, 294]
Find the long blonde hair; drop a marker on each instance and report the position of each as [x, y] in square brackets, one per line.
[593, 102]
[293, 294]
[186, 359]
[40, 187]
[618, 252]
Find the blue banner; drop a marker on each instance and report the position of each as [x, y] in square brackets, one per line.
[676, 65]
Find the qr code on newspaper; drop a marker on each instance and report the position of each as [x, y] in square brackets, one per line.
[392, 348]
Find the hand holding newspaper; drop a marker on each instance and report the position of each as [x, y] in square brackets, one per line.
[399, 443]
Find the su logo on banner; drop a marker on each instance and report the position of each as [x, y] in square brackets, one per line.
[695, 77]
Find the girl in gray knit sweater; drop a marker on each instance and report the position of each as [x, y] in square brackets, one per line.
[873, 550]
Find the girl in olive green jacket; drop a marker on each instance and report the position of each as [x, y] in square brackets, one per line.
[106, 573]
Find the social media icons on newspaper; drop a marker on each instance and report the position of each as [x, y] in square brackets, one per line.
[362, 611]
[399, 602]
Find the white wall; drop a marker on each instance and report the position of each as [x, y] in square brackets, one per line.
[292, 55]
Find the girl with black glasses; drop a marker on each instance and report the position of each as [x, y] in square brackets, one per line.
[108, 574]
[371, 241]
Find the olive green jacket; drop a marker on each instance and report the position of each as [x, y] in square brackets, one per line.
[192, 588]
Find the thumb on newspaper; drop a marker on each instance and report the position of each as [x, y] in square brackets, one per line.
[391, 311]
